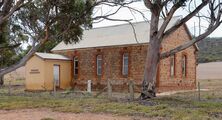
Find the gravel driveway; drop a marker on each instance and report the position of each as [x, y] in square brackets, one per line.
[47, 114]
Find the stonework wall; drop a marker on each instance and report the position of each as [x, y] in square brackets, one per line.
[178, 82]
[112, 65]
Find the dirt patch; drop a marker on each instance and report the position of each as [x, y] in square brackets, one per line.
[46, 114]
[210, 70]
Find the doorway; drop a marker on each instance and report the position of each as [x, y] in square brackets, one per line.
[56, 74]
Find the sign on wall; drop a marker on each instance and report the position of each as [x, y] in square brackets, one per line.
[34, 71]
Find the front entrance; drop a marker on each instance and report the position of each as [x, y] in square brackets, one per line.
[56, 73]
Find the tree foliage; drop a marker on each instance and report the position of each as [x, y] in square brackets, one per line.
[39, 22]
[51, 20]
[8, 48]
[64, 19]
[210, 50]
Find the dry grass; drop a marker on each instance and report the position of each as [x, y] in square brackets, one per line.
[215, 84]
[177, 106]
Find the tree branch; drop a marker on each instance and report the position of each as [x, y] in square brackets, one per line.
[13, 9]
[2, 46]
[167, 20]
[190, 43]
[23, 61]
[185, 19]
[148, 4]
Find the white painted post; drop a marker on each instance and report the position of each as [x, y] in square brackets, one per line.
[89, 86]
[54, 88]
[9, 87]
[131, 90]
[199, 91]
[109, 86]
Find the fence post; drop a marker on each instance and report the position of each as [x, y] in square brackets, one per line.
[54, 88]
[131, 89]
[109, 86]
[9, 87]
[89, 86]
[199, 91]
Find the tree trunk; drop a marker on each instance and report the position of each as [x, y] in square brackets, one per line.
[31, 52]
[152, 61]
[21, 63]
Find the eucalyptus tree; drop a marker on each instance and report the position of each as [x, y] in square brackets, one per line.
[209, 10]
[41, 21]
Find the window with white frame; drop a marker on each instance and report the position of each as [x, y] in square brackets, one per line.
[125, 64]
[99, 65]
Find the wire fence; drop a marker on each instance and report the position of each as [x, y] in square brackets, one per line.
[207, 90]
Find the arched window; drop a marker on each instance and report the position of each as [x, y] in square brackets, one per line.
[125, 64]
[172, 66]
[184, 65]
[76, 66]
[99, 65]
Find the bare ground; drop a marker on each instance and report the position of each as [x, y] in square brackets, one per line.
[212, 70]
[47, 114]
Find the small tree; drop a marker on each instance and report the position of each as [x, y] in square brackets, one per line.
[167, 9]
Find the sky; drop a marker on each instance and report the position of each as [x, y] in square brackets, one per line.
[125, 13]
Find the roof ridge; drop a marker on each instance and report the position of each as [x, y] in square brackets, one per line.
[114, 35]
[134, 23]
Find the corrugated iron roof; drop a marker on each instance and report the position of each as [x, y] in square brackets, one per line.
[114, 35]
[51, 56]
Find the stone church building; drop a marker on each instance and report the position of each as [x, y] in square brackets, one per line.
[117, 54]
